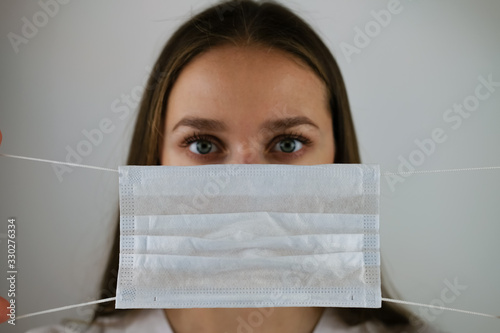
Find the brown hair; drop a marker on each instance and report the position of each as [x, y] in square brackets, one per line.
[241, 22]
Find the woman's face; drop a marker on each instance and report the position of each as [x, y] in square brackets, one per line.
[247, 105]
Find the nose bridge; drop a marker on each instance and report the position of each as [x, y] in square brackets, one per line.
[247, 151]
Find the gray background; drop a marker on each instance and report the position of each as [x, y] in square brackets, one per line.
[434, 227]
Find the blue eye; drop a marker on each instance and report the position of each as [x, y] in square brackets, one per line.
[202, 147]
[289, 145]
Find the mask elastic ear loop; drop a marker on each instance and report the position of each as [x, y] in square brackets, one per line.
[383, 299]
[61, 163]
[116, 170]
[438, 307]
[62, 308]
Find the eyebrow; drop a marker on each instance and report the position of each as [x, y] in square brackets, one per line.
[219, 126]
[202, 124]
[285, 123]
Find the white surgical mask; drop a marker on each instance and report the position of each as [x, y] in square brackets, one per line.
[249, 235]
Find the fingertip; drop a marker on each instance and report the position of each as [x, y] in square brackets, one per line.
[4, 304]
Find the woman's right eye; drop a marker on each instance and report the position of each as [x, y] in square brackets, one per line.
[202, 147]
[200, 144]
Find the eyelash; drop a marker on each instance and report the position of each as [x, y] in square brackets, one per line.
[294, 136]
[196, 136]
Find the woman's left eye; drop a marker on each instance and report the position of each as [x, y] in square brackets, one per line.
[288, 145]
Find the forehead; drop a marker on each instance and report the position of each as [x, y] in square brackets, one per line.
[246, 81]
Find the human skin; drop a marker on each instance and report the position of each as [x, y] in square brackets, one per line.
[247, 104]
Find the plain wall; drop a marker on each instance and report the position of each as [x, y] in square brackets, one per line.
[70, 76]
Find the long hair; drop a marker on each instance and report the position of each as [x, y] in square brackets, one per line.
[241, 23]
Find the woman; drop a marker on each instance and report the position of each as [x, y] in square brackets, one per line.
[244, 82]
